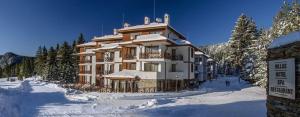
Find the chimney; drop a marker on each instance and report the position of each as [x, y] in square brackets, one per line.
[158, 20]
[126, 25]
[115, 31]
[167, 19]
[146, 20]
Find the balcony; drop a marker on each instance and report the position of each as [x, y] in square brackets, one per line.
[109, 59]
[108, 72]
[85, 61]
[129, 57]
[85, 72]
[100, 60]
[99, 72]
[177, 57]
[154, 55]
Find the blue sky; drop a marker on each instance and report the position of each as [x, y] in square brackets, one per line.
[27, 24]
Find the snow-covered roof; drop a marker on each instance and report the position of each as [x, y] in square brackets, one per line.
[87, 44]
[198, 53]
[106, 37]
[108, 46]
[151, 25]
[126, 74]
[149, 37]
[81, 53]
[210, 59]
[286, 39]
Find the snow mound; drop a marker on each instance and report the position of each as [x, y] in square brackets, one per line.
[72, 92]
[149, 103]
[82, 97]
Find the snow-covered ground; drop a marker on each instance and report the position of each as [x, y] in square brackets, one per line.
[33, 98]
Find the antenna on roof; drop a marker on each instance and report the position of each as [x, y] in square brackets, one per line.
[123, 19]
[154, 10]
[101, 29]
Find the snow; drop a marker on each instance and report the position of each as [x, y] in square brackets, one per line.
[87, 44]
[81, 53]
[105, 37]
[286, 39]
[34, 98]
[199, 53]
[108, 46]
[151, 25]
[210, 59]
[150, 37]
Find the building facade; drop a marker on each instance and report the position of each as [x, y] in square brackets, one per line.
[143, 58]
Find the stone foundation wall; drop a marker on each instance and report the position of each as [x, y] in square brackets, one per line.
[282, 107]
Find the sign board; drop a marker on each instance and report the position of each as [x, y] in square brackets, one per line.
[282, 78]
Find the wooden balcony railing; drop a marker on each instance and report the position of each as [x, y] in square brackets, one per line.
[154, 55]
[108, 72]
[100, 60]
[85, 61]
[109, 59]
[85, 72]
[99, 72]
[130, 57]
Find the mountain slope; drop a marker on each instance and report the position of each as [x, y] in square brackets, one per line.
[10, 58]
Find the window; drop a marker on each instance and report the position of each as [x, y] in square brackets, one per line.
[192, 52]
[132, 51]
[192, 67]
[200, 59]
[132, 66]
[196, 68]
[153, 67]
[173, 68]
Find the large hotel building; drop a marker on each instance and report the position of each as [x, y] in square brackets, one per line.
[143, 58]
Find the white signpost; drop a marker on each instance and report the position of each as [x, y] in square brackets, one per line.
[282, 78]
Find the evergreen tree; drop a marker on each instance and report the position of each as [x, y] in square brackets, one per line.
[75, 61]
[260, 69]
[38, 61]
[242, 42]
[41, 61]
[80, 39]
[66, 67]
[25, 68]
[52, 65]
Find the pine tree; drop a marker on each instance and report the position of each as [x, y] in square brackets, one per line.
[53, 71]
[242, 44]
[80, 39]
[66, 67]
[41, 61]
[249, 57]
[237, 43]
[75, 61]
[25, 68]
[38, 61]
